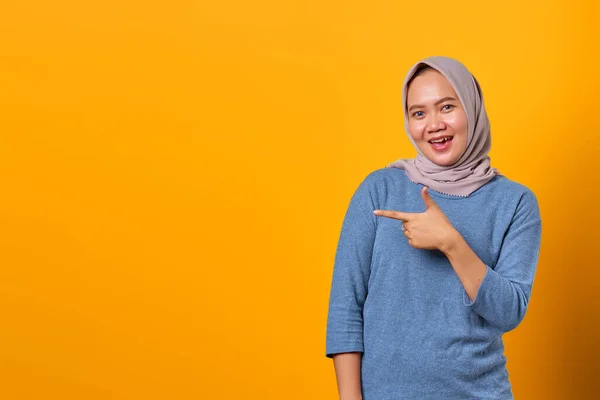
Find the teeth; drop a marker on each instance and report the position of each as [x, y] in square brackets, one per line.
[440, 140]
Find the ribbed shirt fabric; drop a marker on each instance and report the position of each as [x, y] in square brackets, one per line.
[406, 310]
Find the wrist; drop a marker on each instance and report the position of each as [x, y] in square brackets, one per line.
[451, 242]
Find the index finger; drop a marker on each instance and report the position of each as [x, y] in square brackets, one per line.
[403, 216]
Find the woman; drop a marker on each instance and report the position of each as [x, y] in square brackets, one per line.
[436, 256]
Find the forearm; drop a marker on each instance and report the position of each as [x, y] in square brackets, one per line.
[468, 266]
[498, 295]
[347, 370]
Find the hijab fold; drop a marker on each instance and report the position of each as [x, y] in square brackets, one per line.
[472, 170]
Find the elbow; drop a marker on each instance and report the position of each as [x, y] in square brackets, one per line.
[511, 323]
[516, 315]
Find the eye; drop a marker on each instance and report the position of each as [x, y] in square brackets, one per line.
[415, 114]
[447, 105]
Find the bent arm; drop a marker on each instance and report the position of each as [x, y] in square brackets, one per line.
[501, 294]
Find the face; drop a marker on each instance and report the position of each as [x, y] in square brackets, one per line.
[435, 113]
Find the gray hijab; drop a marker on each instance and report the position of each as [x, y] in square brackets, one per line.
[472, 170]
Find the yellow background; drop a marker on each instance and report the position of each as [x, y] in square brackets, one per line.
[174, 177]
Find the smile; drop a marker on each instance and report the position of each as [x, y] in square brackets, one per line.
[441, 140]
[441, 144]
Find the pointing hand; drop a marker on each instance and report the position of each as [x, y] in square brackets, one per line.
[427, 230]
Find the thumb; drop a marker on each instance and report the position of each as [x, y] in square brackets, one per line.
[429, 203]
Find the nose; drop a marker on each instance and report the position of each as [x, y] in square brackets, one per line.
[435, 123]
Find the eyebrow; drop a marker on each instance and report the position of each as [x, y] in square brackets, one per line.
[436, 103]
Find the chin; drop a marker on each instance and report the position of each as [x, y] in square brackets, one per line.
[443, 161]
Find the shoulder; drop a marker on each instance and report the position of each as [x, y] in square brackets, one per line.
[375, 186]
[380, 179]
[513, 188]
[379, 183]
[519, 197]
[387, 187]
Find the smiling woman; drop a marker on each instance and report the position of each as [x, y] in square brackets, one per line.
[442, 99]
[437, 120]
[436, 256]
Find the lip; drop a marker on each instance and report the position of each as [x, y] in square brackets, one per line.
[440, 137]
[442, 147]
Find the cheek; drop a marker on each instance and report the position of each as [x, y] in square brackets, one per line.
[460, 126]
[459, 123]
[416, 129]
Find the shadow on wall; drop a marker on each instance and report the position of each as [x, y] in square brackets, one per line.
[573, 241]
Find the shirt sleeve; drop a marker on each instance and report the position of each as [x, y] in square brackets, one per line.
[351, 273]
[505, 290]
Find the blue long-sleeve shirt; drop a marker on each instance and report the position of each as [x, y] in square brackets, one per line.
[406, 310]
